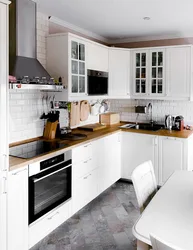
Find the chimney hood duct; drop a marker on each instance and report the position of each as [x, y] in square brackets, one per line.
[22, 41]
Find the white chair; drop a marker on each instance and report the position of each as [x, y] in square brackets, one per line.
[144, 183]
[158, 244]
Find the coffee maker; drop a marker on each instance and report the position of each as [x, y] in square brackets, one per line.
[179, 123]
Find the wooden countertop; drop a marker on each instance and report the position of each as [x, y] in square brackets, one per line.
[15, 163]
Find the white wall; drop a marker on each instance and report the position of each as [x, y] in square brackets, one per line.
[160, 109]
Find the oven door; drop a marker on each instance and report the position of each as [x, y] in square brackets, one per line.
[49, 189]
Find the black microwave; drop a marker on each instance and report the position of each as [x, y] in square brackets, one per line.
[97, 82]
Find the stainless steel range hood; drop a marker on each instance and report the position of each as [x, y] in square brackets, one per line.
[22, 44]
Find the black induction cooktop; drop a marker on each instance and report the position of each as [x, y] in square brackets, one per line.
[35, 148]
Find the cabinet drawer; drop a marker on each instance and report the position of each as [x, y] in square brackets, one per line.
[85, 189]
[81, 169]
[82, 153]
[47, 224]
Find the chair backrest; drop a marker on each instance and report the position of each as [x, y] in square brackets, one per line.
[158, 244]
[144, 182]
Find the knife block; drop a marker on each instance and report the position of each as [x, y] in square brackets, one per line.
[50, 130]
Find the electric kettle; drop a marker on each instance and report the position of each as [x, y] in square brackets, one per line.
[169, 119]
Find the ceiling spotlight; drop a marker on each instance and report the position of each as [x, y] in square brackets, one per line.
[146, 18]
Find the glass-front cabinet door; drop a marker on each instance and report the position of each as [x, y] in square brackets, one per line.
[157, 64]
[140, 72]
[78, 67]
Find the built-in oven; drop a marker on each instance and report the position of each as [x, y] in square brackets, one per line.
[50, 184]
[97, 82]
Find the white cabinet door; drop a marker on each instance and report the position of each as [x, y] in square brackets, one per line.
[119, 72]
[4, 50]
[178, 61]
[110, 169]
[77, 67]
[85, 189]
[18, 209]
[148, 72]
[97, 57]
[157, 72]
[140, 66]
[46, 224]
[136, 149]
[172, 156]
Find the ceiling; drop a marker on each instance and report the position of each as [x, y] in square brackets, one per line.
[120, 19]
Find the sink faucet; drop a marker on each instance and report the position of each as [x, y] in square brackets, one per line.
[149, 110]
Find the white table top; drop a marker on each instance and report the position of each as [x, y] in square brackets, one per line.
[169, 215]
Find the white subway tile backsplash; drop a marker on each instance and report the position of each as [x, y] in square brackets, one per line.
[160, 109]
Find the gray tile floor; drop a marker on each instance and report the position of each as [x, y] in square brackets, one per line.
[104, 224]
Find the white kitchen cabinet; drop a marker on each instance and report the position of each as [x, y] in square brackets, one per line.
[139, 72]
[136, 149]
[18, 209]
[173, 155]
[110, 165]
[85, 189]
[162, 73]
[119, 73]
[4, 68]
[97, 56]
[84, 176]
[45, 225]
[66, 58]
[148, 73]
[178, 73]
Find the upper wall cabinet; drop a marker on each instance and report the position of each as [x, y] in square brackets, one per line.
[119, 73]
[148, 72]
[66, 58]
[97, 56]
[179, 72]
[162, 73]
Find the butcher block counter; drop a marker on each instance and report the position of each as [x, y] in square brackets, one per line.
[15, 163]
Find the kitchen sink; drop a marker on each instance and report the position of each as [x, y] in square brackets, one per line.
[144, 126]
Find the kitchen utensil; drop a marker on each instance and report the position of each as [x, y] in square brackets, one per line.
[43, 116]
[95, 108]
[74, 114]
[109, 118]
[169, 120]
[50, 130]
[84, 110]
[101, 109]
[179, 123]
[105, 103]
[92, 127]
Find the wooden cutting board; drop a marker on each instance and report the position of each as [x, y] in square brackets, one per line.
[74, 114]
[84, 110]
[92, 127]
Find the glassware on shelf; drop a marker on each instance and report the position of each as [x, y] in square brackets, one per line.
[44, 80]
[25, 80]
[51, 81]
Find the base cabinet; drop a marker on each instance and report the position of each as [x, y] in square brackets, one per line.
[18, 209]
[41, 228]
[166, 153]
[172, 156]
[85, 189]
[137, 148]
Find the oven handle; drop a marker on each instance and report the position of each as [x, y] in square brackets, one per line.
[36, 180]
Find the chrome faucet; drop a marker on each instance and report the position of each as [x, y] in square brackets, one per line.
[149, 110]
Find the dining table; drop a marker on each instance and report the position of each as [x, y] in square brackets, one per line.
[169, 215]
